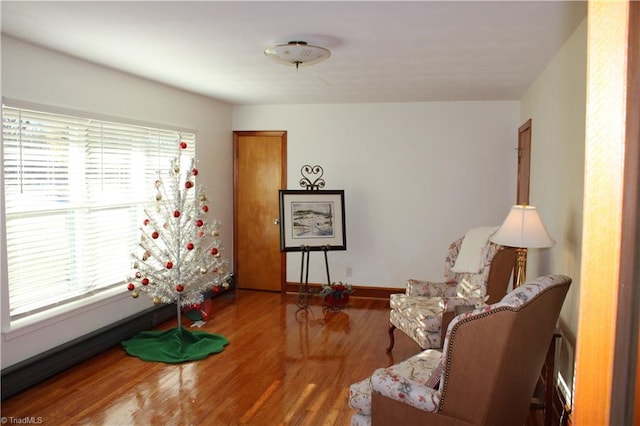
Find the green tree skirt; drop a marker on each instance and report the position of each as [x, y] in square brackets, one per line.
[174, 346]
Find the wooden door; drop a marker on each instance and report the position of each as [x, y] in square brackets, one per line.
[524, 162]
[259, 171]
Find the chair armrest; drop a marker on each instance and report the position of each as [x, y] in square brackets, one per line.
[384, 381]
[430, 288]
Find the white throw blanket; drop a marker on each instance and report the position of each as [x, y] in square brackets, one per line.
[470, 255]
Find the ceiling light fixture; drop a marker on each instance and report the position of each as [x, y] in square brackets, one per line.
[297, 53]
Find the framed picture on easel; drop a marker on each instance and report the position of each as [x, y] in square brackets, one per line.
[312, 220]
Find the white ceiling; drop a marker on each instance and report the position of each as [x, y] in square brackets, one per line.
[382, 51]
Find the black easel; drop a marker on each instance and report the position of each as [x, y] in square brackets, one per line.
[304, 294]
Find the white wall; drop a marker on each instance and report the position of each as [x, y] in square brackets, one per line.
[556, 103]
[416, 176]
[33, 74]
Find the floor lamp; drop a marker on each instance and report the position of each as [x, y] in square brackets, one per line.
[522, 229]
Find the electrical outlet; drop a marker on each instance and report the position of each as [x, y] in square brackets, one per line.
[349, 271]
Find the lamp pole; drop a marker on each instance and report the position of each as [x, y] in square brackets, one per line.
[521, 265]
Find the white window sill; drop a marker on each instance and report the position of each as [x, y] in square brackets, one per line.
[23, 326]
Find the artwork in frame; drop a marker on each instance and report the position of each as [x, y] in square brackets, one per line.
[312, 220]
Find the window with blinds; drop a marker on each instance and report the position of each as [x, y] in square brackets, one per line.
[74, 190]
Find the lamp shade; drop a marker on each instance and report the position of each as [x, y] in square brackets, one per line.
[523, 228]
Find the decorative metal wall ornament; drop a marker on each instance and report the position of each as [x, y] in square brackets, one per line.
[308, 172]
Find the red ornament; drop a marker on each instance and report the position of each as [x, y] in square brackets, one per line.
[214, 251]
[138, 275]
[189, 246]
[146, 222]
[216, 289]
[176, 213]
[188, 184]
[169, 265]
[200, 234]
[194, 171]
[205, 208]
[155, 235]
[180, 288]
[183, 145]
[199, 223]
[145, 281]
[131, 287]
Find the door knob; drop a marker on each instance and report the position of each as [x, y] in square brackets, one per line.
[276, 221]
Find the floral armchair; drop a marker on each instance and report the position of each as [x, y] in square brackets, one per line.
[492, 356]
[425, 306]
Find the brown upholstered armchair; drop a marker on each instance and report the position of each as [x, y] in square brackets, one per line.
[425, 306]
[486, 374]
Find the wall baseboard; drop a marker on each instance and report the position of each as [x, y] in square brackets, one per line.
[360, 291]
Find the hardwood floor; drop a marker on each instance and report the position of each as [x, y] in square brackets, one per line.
[283, 366]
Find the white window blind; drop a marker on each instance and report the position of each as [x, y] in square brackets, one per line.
[74, 195]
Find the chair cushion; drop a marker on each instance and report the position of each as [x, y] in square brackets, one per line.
[426, 339]
[425, 312]
[408, 381]
[472, 294]
[466, 289]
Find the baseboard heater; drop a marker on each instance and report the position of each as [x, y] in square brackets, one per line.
[32, 371]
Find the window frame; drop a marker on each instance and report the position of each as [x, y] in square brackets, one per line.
[89, 299]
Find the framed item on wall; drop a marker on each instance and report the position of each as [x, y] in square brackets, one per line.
[312, 220]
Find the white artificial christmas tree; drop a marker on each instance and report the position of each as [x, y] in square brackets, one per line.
[180, 256]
